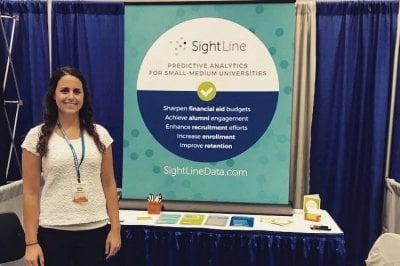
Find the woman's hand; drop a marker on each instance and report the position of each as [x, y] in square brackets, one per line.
[113, 243]
[34, 255]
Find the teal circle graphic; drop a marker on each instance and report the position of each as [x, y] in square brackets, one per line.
[212, 94]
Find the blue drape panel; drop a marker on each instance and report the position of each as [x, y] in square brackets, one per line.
[355, 47]
[30, 60]
[167, 246]
[89, 36]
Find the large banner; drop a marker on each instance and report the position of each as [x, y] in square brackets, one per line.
[207, 111]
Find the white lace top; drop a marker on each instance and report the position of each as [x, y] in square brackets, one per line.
[59, 173]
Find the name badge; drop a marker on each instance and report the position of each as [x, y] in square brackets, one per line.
[79, 192]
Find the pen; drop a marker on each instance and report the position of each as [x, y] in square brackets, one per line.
[159, 197]
[320, 227]
[150, 197]
[154, 198]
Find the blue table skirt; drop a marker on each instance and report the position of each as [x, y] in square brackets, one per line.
[175, 246]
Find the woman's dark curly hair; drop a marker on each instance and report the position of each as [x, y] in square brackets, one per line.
[50, 110]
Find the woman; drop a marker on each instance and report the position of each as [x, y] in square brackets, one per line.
[70, 205]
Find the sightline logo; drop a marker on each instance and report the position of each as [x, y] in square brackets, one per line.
[178, 45]
[206, 47]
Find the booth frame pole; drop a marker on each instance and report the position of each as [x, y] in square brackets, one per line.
[18, 102]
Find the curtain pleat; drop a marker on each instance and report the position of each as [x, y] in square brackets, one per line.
[89, 36]
[355, 47]
[303, 98]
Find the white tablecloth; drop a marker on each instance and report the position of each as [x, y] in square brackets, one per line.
[297, 223]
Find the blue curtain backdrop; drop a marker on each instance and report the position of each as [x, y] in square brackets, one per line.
[355, 47]
[90, 36]
[30, 60]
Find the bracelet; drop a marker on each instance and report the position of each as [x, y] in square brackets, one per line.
[31, 244]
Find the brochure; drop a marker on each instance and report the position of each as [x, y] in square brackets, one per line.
[311, 207]
[168, 218]
[217, 220]
[192, 219]
[311, 201]
[246, 221]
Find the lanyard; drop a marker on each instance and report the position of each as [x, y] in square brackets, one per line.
[77, 165]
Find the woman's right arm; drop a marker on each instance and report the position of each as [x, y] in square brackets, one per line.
[31, 171]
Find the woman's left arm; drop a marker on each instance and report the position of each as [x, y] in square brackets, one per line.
[113, 242]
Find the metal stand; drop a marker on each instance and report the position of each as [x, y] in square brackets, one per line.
[15, 102]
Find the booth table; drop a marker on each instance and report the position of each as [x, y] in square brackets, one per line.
[272, 240]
